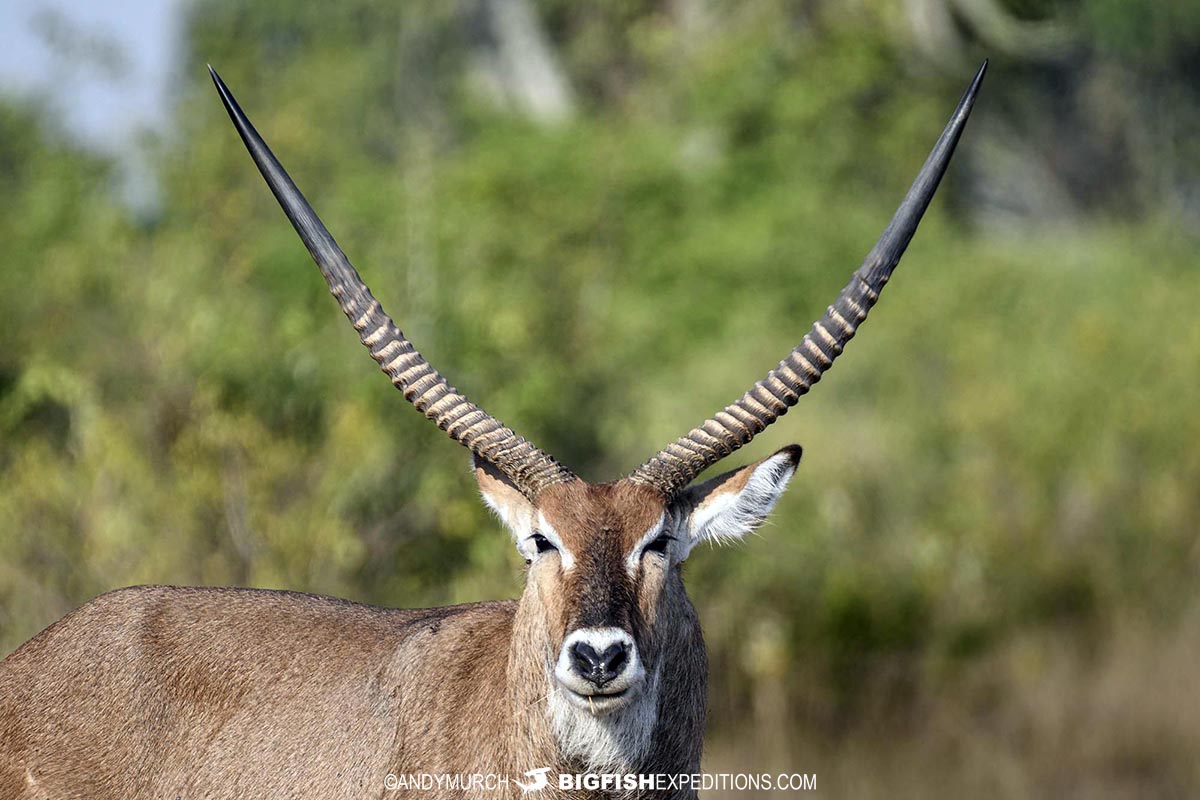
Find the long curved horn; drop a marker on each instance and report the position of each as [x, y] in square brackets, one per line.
[530, 469]
[681, 461]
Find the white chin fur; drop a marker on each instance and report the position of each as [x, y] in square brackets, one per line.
[612, 742]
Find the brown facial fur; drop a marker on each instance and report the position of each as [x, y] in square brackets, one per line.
[600, 525]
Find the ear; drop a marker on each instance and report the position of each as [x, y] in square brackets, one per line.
[731, 505]
[503, 497]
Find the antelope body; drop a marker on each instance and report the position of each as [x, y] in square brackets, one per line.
[599, 667]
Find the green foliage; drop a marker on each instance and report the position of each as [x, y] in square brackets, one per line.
[1010, 444]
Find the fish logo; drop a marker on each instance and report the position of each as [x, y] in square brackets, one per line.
[540, 781]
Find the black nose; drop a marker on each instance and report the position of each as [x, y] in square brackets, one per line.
[599, 668]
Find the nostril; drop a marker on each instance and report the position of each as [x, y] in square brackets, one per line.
[599, 667]
[614, 658]
[585, 657]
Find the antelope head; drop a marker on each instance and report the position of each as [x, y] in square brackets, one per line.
[604, 591]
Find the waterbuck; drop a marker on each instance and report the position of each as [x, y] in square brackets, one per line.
[598, 668]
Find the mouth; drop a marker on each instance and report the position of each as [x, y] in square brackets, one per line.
[601, 702]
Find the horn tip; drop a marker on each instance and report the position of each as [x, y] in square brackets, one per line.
[969, 97]
[979, 74]
[222, 89]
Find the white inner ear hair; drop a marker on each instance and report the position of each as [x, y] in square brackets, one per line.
[725, 516]
[516, 516]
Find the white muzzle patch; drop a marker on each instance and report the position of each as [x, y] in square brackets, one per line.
[615, 693]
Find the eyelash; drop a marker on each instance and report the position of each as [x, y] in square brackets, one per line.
[659, 545]
[543, 544]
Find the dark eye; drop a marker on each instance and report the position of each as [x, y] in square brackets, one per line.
[542, 543]
[659, 545]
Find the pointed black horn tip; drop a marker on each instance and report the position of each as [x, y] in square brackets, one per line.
[222, 89]
[968, 98]
[227, 99]
[978, 80]
[949, 138]
[979, 75]
[216, 78]
[240, 121]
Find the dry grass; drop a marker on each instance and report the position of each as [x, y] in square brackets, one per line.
[1047, 714]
